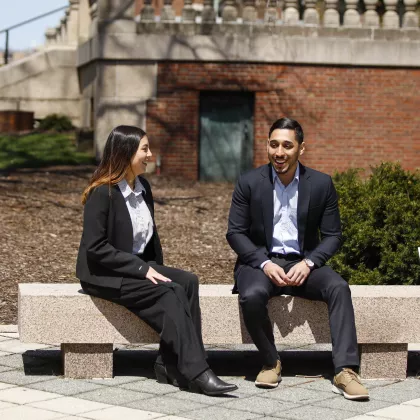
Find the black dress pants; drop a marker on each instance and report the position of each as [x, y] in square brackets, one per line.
[323, 284]
[172, 309]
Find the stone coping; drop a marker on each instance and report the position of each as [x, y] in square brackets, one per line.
[68, 289]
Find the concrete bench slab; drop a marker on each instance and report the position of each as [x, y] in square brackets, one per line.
[387, 319]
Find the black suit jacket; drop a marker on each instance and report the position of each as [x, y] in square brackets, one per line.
[105, 252]
[250, 229]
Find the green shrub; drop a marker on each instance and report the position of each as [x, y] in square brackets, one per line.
[55, 122]
[39, 150]
[381, 226]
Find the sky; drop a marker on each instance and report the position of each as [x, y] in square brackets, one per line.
[31, 35]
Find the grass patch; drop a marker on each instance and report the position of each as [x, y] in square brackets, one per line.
[38, 150]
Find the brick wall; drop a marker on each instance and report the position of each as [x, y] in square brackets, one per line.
[352, 117]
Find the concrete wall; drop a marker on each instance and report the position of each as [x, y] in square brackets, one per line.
[45, 83]
[121, 91]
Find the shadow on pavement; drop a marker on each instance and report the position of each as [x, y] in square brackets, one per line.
[223, 362]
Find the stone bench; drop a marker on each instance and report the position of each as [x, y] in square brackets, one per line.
[387, 319]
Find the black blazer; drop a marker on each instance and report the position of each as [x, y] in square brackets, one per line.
[105, 252]
[250, 228]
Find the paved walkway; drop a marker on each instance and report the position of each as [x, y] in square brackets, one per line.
[31, 388]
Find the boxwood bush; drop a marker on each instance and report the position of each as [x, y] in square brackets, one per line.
[381, 226]
[55, 122]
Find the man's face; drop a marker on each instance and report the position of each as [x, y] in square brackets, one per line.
[284, 150]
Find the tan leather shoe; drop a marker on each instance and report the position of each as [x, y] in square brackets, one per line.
[349, 384]
[269, 376]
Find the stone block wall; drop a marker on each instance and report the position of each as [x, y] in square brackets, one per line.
[352, 117]
[44, 83]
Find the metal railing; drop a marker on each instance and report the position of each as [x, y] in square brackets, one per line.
[7, 30]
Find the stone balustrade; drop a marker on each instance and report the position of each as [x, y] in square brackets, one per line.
[310, 13]
[328, 13]
[68, 31]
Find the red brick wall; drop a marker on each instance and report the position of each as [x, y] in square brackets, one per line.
[352, 117]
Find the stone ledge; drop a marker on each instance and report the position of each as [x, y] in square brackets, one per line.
[382, 49]
[384, 314]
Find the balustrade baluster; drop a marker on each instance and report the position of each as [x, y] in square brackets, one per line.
[410, 18]
[249, 12]
[390, 19]
[230, 11]
[351, 15]
[188, 12]
[168, 12]
[208, 14]
[291, 13]
[148, 11]
[371, 17]
[271, 13]
[331, 16]
[310, 15]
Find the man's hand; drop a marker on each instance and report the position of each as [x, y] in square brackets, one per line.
[298, 274]
[276, 274]
[153, 275]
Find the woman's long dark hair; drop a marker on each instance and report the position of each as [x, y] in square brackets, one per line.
[122, 144]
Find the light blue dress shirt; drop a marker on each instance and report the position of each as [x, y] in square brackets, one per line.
[285, 227]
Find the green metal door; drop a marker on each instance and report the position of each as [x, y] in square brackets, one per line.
[226, 135]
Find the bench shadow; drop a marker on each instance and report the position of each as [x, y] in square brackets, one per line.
[246, 364]
[229, 363]
[288, 314]
[43, 362]
[129, 326]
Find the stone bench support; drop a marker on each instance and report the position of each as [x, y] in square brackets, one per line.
[387, 319]
[383, 360]
[87, 361]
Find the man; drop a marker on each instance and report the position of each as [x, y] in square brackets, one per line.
[284, 225]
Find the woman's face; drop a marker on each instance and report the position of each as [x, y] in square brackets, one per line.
[139, 160]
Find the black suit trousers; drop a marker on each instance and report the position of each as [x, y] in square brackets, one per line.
[172, 309]
[322, 284]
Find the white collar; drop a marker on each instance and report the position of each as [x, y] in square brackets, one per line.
[126, 189]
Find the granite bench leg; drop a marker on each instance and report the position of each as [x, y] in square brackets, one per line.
[87, 361]
[383, 361]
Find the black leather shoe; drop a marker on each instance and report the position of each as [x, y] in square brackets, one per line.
[210, 384]
[168, 374]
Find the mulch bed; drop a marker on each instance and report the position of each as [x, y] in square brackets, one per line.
[41, 225]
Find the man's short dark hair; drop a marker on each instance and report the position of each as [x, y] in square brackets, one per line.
[288, 124]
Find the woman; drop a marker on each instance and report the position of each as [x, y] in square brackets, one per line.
[120, 259]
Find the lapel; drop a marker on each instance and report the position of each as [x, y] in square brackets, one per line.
[304, 195]
[147, 199]
[121, 212]
[267, 202]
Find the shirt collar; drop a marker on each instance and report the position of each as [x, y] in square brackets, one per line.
[126, 190]
[296, 177]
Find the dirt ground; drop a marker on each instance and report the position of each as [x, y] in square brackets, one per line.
[41, 224]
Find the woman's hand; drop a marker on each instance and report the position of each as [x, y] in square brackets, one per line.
[153, 275]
